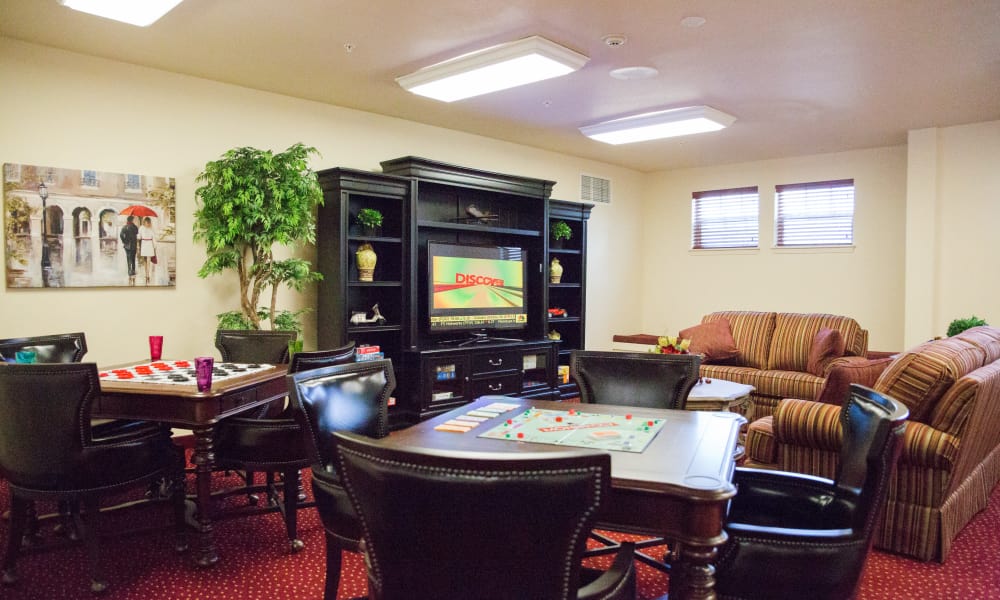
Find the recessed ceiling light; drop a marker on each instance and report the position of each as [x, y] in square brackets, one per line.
[693, 22]
[634, 73]
[492, 69]
[133, 12]
[659, 124]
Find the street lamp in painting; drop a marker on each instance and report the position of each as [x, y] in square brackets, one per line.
[43, 193]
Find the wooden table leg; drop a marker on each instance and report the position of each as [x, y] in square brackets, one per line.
[205, 554]
[692, 575]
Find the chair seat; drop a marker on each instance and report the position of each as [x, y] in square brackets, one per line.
[260, 444]
[132, 459]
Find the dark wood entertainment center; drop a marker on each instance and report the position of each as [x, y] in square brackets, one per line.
[423, 200]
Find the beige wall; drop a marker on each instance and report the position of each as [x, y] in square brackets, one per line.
[953, 222]
[866, 282]
[67, 110]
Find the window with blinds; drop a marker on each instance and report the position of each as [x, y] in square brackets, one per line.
[814, 214]
[725, 218]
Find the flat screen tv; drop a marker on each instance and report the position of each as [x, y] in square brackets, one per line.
[475, 288]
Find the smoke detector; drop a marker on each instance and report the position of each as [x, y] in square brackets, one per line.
[614, 40]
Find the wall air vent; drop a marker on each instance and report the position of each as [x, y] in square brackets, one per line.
[595, 189]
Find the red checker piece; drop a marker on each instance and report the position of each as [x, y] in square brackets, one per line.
[520, 435]
[182, 363]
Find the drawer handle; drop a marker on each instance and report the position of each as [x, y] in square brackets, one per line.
[495, 363]
[495, 387]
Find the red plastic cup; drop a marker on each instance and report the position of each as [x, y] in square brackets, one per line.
[203, 366]
[155, 347]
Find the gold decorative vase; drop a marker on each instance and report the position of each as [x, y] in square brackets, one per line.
[555, 271]
[366, 259]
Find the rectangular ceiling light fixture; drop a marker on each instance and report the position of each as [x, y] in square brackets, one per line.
[496, 68]
[133, 12]
[659, 124]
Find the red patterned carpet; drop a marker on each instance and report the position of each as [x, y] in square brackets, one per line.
[255, 565]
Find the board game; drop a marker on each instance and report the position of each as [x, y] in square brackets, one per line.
[179, 372]
[572, 427]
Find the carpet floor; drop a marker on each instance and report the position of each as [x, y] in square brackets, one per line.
[256, 564]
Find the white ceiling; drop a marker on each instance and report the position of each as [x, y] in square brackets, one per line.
[800, 76]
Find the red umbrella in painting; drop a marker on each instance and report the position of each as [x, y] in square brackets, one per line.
[138, 210]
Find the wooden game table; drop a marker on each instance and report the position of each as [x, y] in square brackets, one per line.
[677, 488]
[185, 407]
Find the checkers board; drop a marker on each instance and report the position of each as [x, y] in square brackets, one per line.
[624, 433]
[178, 372]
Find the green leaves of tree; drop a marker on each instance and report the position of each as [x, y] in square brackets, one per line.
[250, 201]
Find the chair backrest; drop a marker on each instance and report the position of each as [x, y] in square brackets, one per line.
[642, 379]
[348, 397]
[44, 420]
[305, 361]
[472, 524]
[254, 346]
[873, 426]
[57, 348]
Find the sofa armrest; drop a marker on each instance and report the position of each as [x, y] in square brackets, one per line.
[924, 446]
[807, 423]
[841, 372]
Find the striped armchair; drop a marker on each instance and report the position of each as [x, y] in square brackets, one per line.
[951, 450]
[774, 354]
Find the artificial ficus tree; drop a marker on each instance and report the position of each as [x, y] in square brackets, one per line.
[251, 201]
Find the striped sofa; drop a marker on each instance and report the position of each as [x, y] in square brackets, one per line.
[951, 453]
[774, 353]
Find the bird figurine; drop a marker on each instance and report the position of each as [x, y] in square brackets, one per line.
[483, 217]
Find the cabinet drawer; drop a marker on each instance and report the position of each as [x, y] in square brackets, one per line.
[503, 385]
[488, 362]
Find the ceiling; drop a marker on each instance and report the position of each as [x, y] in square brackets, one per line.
[800, 76]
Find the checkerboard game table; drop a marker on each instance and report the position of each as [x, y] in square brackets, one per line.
[678, 487]
[179, 404]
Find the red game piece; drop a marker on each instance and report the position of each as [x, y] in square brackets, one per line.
[650, 423]
[629, 416]
[520, 435]
[558, 419]
[510, 421]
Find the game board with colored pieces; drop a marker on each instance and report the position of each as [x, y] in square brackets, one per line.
[624, 433]
[180, 372]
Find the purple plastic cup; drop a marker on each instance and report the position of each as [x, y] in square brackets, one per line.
[203, 366]
[155, 347]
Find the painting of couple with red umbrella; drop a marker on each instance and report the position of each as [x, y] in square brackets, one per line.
[86, 228]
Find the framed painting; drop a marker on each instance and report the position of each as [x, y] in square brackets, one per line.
[84, 228]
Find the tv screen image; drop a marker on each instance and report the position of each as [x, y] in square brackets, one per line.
[475, 287]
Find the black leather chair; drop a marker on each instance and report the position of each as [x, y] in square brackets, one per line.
[641, 379]
[68, 348]
[479, 525]
[351, 397]
[800, 536]
[48, 451]
[275, 444]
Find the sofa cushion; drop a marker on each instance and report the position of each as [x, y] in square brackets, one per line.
[794, 334]
[844, 371]
[714, 340]
[752, 332]
[922, 375]
[827, 345]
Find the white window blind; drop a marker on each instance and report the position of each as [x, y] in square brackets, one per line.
[815, 214]
[725, 218]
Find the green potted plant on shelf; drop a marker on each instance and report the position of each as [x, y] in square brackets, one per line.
[959, 325]
[369, 220]
[560, 232]
[252, 200]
